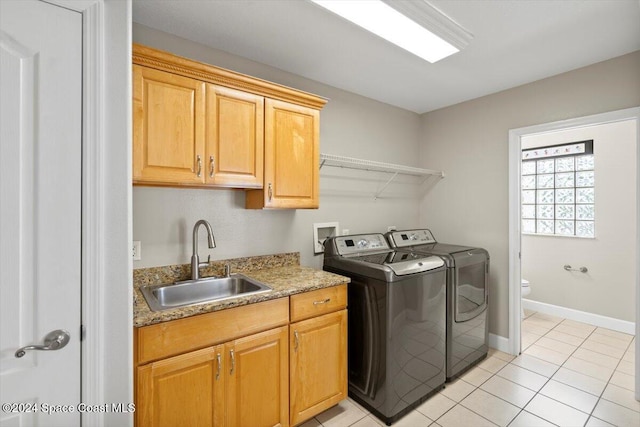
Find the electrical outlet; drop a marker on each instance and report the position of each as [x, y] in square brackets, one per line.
[345, 231]
[137, 250]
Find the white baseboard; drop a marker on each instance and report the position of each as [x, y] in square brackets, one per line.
[580, 316]
[499, 343]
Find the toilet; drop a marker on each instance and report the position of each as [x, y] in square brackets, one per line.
[525, 290]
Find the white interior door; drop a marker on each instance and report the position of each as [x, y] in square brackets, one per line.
[40, 211]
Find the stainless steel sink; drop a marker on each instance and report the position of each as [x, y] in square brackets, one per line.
[202, 291]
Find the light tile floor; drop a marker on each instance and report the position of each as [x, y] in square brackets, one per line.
[569, 374]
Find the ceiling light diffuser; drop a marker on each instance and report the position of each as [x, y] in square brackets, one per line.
[386, 22]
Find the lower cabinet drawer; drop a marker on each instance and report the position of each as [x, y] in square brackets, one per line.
[319, 302]
[179, 336]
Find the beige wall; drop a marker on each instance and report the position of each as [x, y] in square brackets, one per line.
[350, 125]
[608, 288]
[469, 141]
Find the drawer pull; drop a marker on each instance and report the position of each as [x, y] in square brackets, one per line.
[322, 302]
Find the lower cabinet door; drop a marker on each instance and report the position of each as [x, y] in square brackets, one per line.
[318, 376]
[186, 390]
[257, 369]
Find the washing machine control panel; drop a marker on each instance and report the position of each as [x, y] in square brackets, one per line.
[406, 238]
[360, 243]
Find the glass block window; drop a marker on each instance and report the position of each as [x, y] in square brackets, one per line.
[557, 190]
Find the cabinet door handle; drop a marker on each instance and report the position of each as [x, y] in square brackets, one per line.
[270, 192]
[211, 166]
[199, 166]
[233, 361]
[324, 301]
[296, 340]
[219, 360]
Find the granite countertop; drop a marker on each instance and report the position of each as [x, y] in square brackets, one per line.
[280, 272]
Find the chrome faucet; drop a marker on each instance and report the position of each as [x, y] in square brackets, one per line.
[195, 259]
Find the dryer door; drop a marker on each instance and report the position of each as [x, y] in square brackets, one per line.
[471, 281]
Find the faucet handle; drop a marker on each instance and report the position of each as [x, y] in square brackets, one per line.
[206, 263]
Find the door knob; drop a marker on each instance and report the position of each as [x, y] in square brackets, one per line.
[55, 340]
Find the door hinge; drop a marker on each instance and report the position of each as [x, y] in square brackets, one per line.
[83, 332]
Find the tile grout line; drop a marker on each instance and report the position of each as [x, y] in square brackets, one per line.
[607, 385]
[590, 414]
[549, 378]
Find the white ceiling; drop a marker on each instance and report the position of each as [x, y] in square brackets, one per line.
[515, 42]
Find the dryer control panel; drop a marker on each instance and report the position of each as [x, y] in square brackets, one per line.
[347, 245]
[402, 239]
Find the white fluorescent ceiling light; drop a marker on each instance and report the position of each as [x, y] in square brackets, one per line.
[386, 22]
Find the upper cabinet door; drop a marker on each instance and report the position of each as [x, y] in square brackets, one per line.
[168, 128]
[235, 138]
[291, 156]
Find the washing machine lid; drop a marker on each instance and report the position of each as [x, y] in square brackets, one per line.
[401, 262]
[367, 253]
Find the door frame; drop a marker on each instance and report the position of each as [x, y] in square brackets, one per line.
[515, 265]
[107, 288]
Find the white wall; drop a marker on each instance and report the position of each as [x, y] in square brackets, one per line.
[115, 308]
[469, 141]
[608, 288]
[350, 125]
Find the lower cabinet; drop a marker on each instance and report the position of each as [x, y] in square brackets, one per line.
[257, 387]
[239, 383]
[184, 390]
[318, 364]
[272, 363]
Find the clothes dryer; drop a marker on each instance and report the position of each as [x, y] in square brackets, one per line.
[467, 330]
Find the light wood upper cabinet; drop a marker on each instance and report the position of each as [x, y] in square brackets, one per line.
[189, 133]
[292, 153]
[199, 125]
[234, 138]
[168, 127]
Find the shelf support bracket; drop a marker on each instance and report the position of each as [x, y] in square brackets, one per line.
[385, 185]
